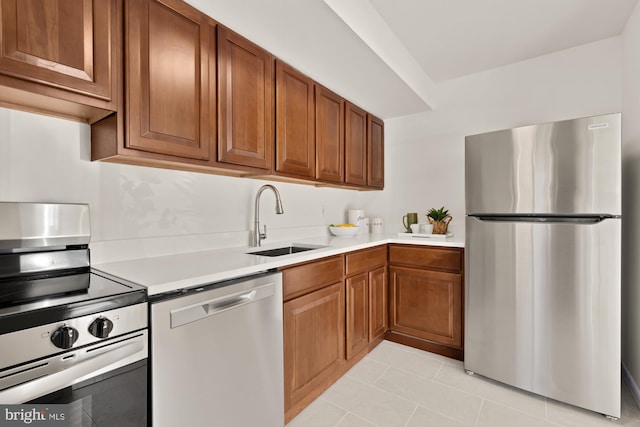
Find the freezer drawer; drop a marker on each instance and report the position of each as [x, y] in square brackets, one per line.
[567, 167]
[543, 308]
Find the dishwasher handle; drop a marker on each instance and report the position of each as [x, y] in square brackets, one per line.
[186, 315]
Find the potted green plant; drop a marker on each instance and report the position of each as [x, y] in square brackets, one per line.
[440, 219]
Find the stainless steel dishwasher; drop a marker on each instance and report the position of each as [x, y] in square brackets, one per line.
[217, 356]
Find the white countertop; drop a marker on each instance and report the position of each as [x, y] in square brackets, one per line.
[171, 272]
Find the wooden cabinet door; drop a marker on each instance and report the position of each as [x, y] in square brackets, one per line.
[295, 122]
[313, 340]
[378, 309]
[426, 304]
[62, 44]
[329, 136]
[246, 102]
[355, 145]
[357, 303]
[375, 152]
[170, 84]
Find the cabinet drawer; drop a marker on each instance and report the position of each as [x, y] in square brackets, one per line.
[365, 260]
[448, 259]
[315, 275]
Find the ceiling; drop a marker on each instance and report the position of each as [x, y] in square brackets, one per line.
[454, 38]
[389, 56]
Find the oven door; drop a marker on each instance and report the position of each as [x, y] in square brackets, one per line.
[104, 384]
[117, 398]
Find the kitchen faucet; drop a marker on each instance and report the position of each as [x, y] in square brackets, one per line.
[257, 235]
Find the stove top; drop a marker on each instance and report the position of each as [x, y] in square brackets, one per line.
[99, 292]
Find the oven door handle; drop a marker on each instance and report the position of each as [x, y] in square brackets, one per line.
[70, 368]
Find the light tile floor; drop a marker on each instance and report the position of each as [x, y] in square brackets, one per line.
[395, 385]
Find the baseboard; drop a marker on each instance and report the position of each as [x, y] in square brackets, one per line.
[422, 344]
[631, 383]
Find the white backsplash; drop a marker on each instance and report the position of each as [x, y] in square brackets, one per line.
[138, 212]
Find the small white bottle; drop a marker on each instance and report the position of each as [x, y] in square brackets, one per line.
[377, 226]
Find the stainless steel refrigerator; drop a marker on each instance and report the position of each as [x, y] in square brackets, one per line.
[543, 254]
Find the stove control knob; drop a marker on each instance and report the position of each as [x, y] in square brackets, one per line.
[64, 337]
[101, 327]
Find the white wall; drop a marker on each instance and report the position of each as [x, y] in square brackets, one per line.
[139, 212]
[425, 152]
[631, 200]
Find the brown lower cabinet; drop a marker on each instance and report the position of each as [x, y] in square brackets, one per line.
[357, 300]
[314, 328]
[337, 309]
[330, 323]
[366, 299]
[426, 298]
[378, 303]
[313, 340]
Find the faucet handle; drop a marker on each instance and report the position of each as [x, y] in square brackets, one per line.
[263, 235]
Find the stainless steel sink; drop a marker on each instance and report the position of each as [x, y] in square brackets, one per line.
[287, 250]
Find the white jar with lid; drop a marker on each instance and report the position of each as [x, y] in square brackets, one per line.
[377, 226]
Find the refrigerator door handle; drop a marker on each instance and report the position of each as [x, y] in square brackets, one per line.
[592, 219]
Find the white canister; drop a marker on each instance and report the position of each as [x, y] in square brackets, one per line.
[356, 217]
[365, 228]
[377, 226]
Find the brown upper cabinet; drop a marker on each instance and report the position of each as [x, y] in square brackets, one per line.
[61, 56]
[167, 118]
[246, 102]
[329, 136]
[375, 152]
[295, 123]
[164, 85]
[355, 171]
[170, 86]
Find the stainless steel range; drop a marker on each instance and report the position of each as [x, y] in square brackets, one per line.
[68, 335]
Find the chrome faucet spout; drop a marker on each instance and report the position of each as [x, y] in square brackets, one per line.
[257, 235]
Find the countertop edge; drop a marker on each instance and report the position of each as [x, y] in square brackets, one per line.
[147, 272]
